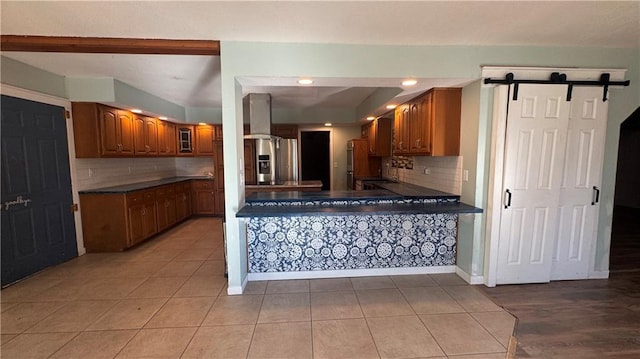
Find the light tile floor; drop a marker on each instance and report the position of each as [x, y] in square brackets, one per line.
[167, 299]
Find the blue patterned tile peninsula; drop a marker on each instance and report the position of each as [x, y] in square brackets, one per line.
[402, 229]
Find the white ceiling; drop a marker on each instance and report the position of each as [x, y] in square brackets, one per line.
[194, 80]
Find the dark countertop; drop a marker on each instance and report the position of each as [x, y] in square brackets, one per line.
[378, 209]
[287, 184]
[413, 191]
[388, 190]
[126, 188]
[320, 195]
[369, 178]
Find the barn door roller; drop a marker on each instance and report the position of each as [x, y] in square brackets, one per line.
[557, 78]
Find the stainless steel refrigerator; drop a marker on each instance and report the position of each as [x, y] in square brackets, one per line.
[287, 161]
[350, 146]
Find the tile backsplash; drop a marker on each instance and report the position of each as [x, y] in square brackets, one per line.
[194, 166]
[104, 172]
[444, 173]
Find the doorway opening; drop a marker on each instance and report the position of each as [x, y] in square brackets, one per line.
[315, 157]
[625, 233]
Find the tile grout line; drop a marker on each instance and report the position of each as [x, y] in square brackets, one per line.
[421, 321]
[255, 326]
[366, 322]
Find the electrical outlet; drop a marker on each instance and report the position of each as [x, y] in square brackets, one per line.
[427, 171]
[92, 172]
[335, 164]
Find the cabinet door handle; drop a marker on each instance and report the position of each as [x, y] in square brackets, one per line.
[507, 198]
[596, 195]
[418, 143]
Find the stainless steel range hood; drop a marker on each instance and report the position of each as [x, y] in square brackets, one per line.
[276, 158]
[257, 106]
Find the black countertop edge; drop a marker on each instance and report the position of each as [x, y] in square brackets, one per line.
[293, 196]
[409, 190]
[378, 209]
[132, 187]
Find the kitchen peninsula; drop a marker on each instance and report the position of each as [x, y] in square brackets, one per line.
[396, 229]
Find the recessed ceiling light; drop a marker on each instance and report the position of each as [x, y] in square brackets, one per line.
[162, 118]
[328, 124]
[409, 82]
[371, 118]
[135, 110]
[305, 81]
[201, 123]
[391, 106]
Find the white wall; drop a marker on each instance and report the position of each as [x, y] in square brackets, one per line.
[369, 61]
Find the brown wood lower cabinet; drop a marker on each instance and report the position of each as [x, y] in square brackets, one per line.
[183, 201]
[116, 221]
[203, 197]
[166, 206]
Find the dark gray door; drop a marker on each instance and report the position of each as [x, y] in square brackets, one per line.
[38, 230]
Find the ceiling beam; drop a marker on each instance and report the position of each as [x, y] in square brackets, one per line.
[109, 45]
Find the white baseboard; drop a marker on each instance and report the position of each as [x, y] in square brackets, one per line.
[471, 279]
[599, 275]
[350, 273]
[238, 289]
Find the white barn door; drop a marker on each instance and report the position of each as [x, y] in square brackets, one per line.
[535, 144]
[579, 192]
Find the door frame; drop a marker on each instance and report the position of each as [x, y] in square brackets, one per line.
[496, 165]
[317, 129]
[14, 91]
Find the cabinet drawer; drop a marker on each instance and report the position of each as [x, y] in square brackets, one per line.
[161, 191]
[149, 196]
[135, 198]
[202, 185]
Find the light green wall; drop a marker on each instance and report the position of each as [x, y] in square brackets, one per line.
[130, 96]
[25, 76]
[90, 89]
[375, 100]
[203, 114]
[313, 115]
[369, 61]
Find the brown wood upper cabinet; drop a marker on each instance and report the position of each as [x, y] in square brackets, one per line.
[166, 138]
[205, 135]
[102, 131]
[429, 124]
[401, 130]
[285, 131]
[145, 136]
[378, 135]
